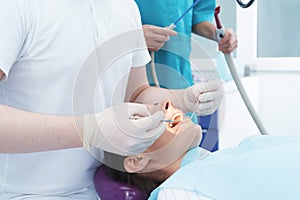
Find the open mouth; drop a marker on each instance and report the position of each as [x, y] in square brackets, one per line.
[177, 118]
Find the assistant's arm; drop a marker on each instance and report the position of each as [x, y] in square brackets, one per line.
[202, 18]
[156, 36]
[205, 29]
[227, 44]
[25, 132]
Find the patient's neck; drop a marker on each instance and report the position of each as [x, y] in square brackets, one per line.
[165, 173]
[171, 169]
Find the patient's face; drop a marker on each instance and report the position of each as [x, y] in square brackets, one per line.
[166, 153]
[174, 128]
[164, 156]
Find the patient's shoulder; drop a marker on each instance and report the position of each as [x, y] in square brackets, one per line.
[178, 194]
[264, 141]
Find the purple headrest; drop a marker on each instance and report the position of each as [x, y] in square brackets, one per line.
[109, 189]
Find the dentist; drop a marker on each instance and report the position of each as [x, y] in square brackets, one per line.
[71, 75]
[43, 47]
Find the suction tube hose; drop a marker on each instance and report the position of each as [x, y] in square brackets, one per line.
[244, 95]
[153, 70]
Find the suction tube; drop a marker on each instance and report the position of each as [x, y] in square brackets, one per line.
[153, 70]
[244, 95]
[236, 78]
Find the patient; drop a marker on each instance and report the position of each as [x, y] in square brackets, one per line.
[261, 167]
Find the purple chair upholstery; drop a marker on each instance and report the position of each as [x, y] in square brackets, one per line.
[109, 189]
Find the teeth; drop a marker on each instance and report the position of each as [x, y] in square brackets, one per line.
[176, 120]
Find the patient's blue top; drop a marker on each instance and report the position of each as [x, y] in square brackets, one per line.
[260, 168]
[172, 61]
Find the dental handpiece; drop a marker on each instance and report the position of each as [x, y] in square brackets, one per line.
[163, 120]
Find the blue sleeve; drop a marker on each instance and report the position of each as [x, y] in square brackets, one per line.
[204, 11]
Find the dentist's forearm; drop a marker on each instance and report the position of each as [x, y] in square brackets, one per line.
[25, 132]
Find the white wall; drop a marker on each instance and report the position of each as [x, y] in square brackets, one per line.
[235, 122]
[279, 102]
[275, 96]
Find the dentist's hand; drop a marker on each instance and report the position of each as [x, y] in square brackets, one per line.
[157, 36]
[229, 42]
[112, 130]
[204, 97]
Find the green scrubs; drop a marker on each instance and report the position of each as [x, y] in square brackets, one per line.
[172, 61]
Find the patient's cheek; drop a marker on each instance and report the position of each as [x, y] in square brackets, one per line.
[198, 136]
[171, 130]
[162, 141]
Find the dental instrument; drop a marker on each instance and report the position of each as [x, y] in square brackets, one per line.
[171, 26]
[220, 34]
[163, 120]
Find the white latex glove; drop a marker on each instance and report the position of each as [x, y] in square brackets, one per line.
[205, 97]
[112, 130]
[157, 36]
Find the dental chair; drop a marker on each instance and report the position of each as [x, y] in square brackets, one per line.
[109, 189]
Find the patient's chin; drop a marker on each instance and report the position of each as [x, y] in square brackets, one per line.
[188, 127]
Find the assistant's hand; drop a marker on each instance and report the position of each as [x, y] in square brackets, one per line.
[229, 42]
[157, 36]
[207, 94]
[112, 130]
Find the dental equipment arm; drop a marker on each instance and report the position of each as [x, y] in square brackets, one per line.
[235, 76]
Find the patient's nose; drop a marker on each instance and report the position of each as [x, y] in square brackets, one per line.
[167, 105]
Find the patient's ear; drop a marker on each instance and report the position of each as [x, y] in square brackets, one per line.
[136, 163]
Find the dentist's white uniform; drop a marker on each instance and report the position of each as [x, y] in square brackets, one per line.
[42, 46]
